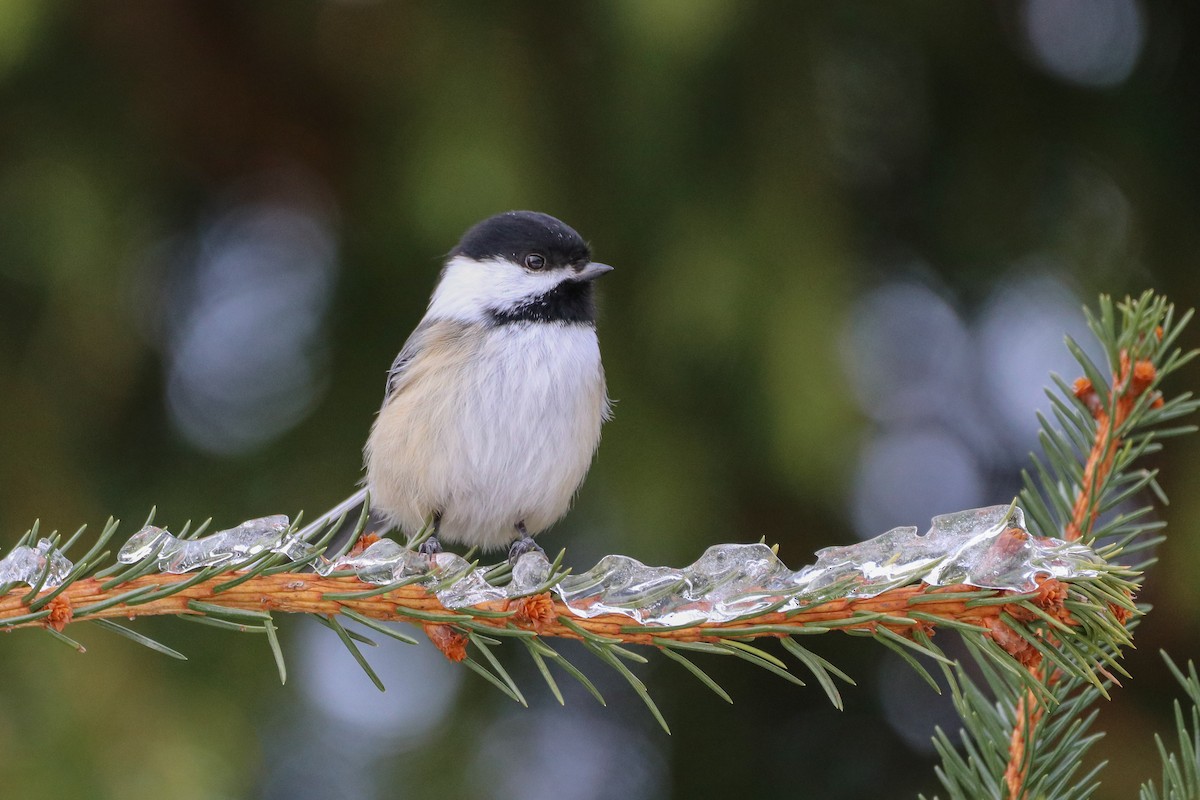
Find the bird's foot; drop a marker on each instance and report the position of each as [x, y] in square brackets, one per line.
[431, 546]
[524, 545]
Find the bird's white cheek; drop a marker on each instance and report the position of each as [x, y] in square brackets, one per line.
[470, 289]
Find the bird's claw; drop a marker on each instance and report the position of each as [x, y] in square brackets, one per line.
[430, 547]
[524, 545]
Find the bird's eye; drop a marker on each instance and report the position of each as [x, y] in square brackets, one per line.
[535, 261]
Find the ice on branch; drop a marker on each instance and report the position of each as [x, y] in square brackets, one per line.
[228, 547]
[386, 561]
[455, 582]
[986, 547]
[25, 564]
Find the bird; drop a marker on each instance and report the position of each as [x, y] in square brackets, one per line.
[492, 410]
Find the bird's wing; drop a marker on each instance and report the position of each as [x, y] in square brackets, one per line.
[395, 376]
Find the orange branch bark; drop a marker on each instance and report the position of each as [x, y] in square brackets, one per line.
[306, 593]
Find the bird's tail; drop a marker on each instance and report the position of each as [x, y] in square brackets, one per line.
[349, 512]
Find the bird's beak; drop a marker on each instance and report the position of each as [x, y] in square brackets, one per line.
[591, 270]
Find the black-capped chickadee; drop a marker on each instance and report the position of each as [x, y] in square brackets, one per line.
[493, 407]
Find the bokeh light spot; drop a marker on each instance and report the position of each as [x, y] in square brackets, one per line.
[1089, 42]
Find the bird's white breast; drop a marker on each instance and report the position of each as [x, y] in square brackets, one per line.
[490, 426]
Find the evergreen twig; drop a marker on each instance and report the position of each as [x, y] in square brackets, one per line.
[1079, 489]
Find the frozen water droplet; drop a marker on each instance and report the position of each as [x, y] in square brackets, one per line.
[727, 582]
[142, 544]
[447, 565]
[994, 551]
[531, 571]
[469, 590]
[619, 585]
[228, 547]
[460, 584]
[25, 564]
[737, 579]
[875, 565]
[231, 546]
[383, 562]
[294, 547]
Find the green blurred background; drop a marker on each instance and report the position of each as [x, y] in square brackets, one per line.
[848, 236]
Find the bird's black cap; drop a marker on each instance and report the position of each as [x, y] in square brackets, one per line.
[515, 234]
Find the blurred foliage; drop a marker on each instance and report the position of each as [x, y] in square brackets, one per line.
[751, 168]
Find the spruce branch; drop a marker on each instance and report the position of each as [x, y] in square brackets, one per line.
[1079, 488]
[897, 612]
[244, 598]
